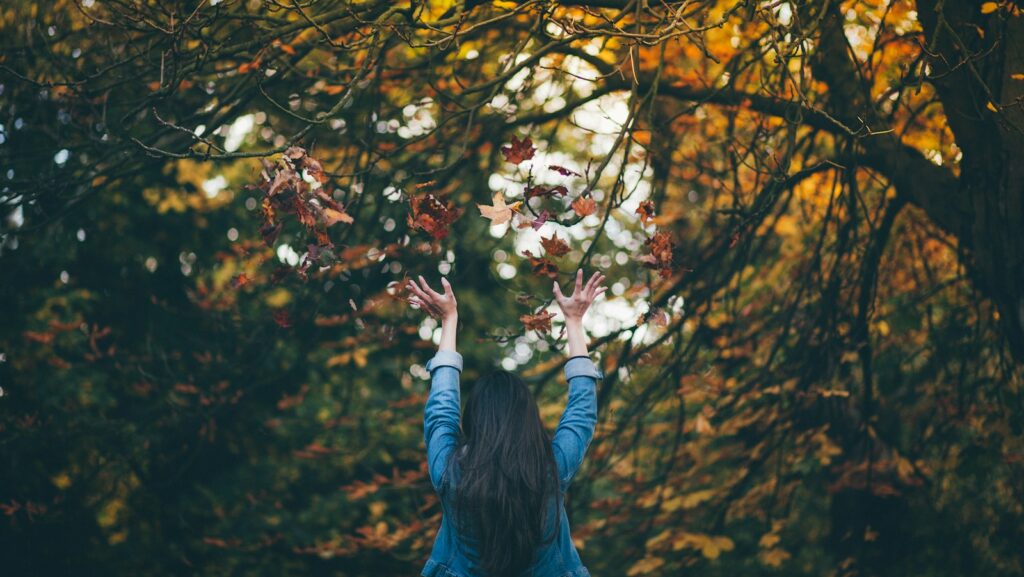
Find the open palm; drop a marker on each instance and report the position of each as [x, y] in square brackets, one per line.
[437, 305]
[575, 306]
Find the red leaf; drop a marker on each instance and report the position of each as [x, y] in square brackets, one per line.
[543, 217]
[519, 150]
[538, 322]
[554, 246]
[429, 214]
[542, 266]
[563, 170]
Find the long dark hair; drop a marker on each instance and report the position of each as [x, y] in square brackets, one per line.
[507, 476]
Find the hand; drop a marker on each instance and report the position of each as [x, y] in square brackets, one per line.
[439, 306]
[575, 307]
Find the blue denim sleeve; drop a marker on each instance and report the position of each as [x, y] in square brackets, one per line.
[442, 413]
[576, 428]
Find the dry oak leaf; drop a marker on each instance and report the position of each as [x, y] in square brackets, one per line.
[554, 246]
[519, 150]
[538, 322]
[499, 212]
[584, 206]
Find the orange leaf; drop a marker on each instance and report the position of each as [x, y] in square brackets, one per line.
[584, 206]
[499, 212]
[332, 216]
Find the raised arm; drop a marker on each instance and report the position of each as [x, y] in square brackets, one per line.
[576, 427]
[441, 415]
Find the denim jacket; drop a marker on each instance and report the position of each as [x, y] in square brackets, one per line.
[441, 426]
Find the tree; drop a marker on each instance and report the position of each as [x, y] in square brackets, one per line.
[811, 210]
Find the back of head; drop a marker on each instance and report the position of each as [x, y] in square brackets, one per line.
[507, 475]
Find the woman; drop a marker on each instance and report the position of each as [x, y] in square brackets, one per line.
[501, 478]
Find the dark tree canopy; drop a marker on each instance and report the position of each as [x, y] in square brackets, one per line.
[809, 213]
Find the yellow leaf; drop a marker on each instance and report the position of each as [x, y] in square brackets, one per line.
[332, 216]
[498, 212]
[774, 557]
[883, 328]
[703, 425]
[62, 481]
[278, 298]
[645, 565]
[989, 7]
[992, 107]
[687, 501]
[768, 540]
[711, 547]
[1017, 76]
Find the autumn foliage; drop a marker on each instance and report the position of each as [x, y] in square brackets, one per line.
[809, 215]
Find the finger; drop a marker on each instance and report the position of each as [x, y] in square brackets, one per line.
[595, 282]
[558, 291]
[592, 282]
[418, 292]
[429, 290]
[447, 287]
[579, 282]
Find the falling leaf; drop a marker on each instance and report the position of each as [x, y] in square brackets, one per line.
[992, 107]
[519, 150]
[989, 7]
[646, 211]
[584, 206]
[660, 257]
[563, 170]
[538, 322]
[543, 217]
[554, 246]
[431, 215]
[542, 266]
[542, 191]
[499, 212]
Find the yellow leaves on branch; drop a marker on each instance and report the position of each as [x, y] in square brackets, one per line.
[645, 566]
[710, 546]
[688, 501]
[359, 357]
[498, 212]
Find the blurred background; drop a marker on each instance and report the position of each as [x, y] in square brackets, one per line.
[809, 215]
